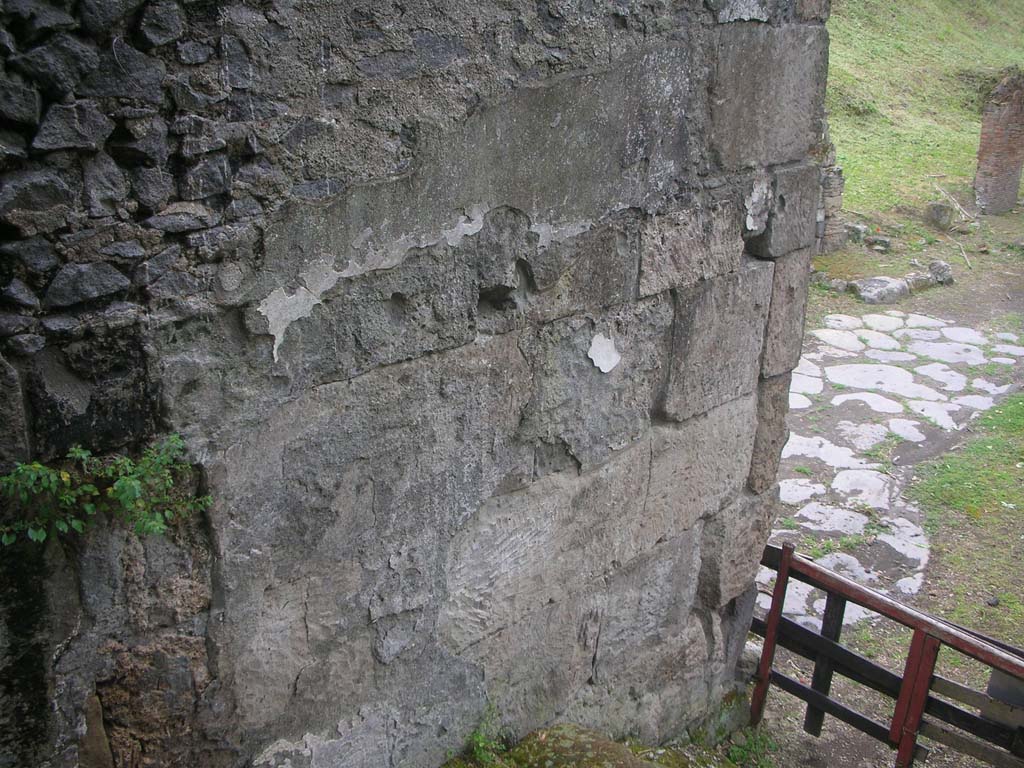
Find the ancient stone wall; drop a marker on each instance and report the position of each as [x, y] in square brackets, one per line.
[1001, 152]
[478, 319]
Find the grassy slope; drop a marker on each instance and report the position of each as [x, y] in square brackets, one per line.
[905, 90]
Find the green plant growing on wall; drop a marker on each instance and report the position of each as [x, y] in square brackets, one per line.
[146, 493]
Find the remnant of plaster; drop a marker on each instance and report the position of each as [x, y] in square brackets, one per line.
[758, 204]
[282, 308]
[556, 233]
[603, 353]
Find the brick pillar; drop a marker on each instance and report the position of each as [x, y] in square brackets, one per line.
[1001, 152]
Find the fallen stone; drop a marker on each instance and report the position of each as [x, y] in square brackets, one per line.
[857, 232]
[919, 281]
[878, 242]
[941, 271]
[880, 290]
[75, 283]
[77, 126]
[939, 216]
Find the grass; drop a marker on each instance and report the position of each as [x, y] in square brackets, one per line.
[973, 501]
[753, 748]
[906, 85]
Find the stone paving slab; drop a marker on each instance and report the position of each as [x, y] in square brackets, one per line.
[865, 385]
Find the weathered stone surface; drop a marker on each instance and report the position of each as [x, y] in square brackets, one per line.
[105, 185]
[740, 10]
[17, 292]
[75, 283]
[162, 23]
[813, 10]
[35, 200]
[125, 72]
[99, 16]
[19, 102]
[183, 217]
[767, 93]
[880, 290]
[26, 344]
[719, 330]
[682, 248]
[732, 546]
[791, 223]
[77, 126]
[772, 407]
[59, 64]
[785, 332]
[14, 438]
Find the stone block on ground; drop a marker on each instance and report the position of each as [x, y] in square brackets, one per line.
[880, 290]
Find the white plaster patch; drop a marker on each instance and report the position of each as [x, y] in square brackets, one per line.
[863, 437]
[864, 486]
[877, 340]
[949, 352]
[923, 321]
[883, 323]
[964, 335]
[987, 386]
[845, 340]
[282, 308]
[885, 356]
[918, 334]
[824, 517]
[877, 403]
[951, 380]
[556, 233]
[806, 385]
[603, 353]
[807, 368]
[1011, 337]
[883, 378]
[819, 448]
[795, 491]
[936, 412]
[907, 429]
[977, 402]
[1009, 349]
[798, 402]
[843, 322]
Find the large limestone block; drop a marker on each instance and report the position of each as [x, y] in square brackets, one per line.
[683, 247]
[732, 546]
[772, 407]
[719, 329]
[785, 333]
[767, 93]
[792, 220]
[576, 406]
[699, 464]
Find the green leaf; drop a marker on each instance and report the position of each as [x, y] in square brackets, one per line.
[8, 538]
[78, 525]
[61, 526]
[37, 534]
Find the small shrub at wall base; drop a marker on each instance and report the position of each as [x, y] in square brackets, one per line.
[146, 493]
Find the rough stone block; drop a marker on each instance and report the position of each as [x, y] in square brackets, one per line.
[719, 330]
[792, 220]
[772, 433]
[683, 247]
[76, 126]
[75, 283]
[813, 10]
[14, 438]
[785, 332]
[732, 545]
[767, 93]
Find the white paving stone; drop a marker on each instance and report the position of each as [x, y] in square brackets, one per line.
[1004, 360]
[824, 450]
[877, 340]
[907, 429]
[977, 402]
[1009, 349]
[824, 517]
[949, 352]
[876, 402]
[1013, 337]
[911, 585]
[882, 378]
[936, 412]
[919, 334]
[884, 323]
[895, 313]
[964, 335]
[885, 356]
[807, 368]
[908, 539]
[849, 566]
[825, 352]
[798, 402]
[843, 322]
[806, 385]
[864, 487]
[845, 340]
[797, 490]
[863, 437]
[987, 386]
[923, 321]
[951, 380]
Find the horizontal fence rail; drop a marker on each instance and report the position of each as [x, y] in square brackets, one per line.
[994, 734]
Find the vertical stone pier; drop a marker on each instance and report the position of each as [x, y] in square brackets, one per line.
[1001, 152]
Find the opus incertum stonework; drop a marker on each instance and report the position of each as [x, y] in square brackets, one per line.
[478, 319]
